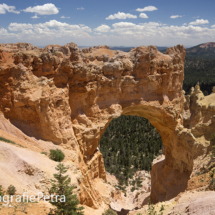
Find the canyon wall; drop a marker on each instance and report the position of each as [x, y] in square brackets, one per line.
[69, 96]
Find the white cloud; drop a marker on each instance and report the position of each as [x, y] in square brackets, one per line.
[123, 25]
[86, 29]
[19, 26]
[155, 31]
[148, 8]
[64, 17]
[4, 32]
[35, 17]
[143, 15]
[46, 9]
[10, 9]
[81, 25]
[51, 32]
[97, 33]
[175, 16]
[102, 28]
[199, 22]
[46, 26]
[185, 24]
[80, 8]
[56, 24]
[123, 33]
[121, 15]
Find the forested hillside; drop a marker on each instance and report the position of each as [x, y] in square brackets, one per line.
[202, 51]
[129, 144]
[199, 70]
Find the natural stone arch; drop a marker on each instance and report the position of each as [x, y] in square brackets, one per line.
[152, 88]
[170, 176]
[69, 97]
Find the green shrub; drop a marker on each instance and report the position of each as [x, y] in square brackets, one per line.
[212, 184]
[11, 190]
[109, 212]
[9, 141]
[6, 140]
[56, 155]
[132, 189]
[151, 209]
[1, 191]
[162, 208]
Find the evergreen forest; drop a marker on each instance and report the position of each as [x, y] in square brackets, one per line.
[202, 70]
[129, 144]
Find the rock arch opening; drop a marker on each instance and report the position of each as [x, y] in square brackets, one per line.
[129, 144]
[169, 175]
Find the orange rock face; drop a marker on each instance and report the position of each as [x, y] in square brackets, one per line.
[69, 96]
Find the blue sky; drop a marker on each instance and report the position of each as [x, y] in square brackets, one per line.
[113, 22]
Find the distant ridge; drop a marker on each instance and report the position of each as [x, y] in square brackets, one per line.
[204, 51]
[127, 49]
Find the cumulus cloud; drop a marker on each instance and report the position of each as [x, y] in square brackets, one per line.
[143, 15]
[123, 33]
[148, 8]
[80, 8]
[199, 22]
[102, 28]
[151, 30]
[52, 29]
[121, 15]
[19, 26]
[123, 25]
[185, 24]
[175, 16]
[56, 24]
[46, 9]
[10, 9]
[4, 34]
[86, 29]
[64, 17]
[35, 17]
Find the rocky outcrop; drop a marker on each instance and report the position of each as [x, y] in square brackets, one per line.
[69, 96]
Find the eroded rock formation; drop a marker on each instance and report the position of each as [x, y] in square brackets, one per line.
[69, 96]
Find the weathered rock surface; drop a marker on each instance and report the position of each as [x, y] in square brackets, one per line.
[133, 198]
[69, 96]
[185, 203]
[195, 203]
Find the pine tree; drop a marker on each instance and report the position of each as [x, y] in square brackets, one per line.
[67, 205]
